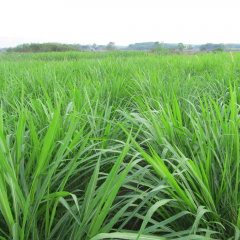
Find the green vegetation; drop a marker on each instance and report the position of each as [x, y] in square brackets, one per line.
[203, 49]
[159, 48]
[67, 56]
[111, 47]
[233, 47]
[119, 145]
[181, 47]
[145, 46]
[148, 46]
[45, 47]
[212, 47]
[220, 49]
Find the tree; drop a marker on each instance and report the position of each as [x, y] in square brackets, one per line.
[203, 48]
[189, 47]
[9, 50]
[181, 47]
[111, 46]
[159, 48]
[220, 49]
[156, 47]
[95, 46]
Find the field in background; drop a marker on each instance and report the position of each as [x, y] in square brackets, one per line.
[122, 145]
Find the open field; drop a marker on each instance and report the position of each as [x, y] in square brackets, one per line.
[122, 145]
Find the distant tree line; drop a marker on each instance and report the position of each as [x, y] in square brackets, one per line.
[233, 45]
[160, 48]
[45, 47]
[212, 47]
[55, 47]
[170, 46]
[146, 46]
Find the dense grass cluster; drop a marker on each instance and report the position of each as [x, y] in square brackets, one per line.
[119, 146]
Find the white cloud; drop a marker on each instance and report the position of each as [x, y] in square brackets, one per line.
[124, 22]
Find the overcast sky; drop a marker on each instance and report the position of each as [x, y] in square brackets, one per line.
[123, 22]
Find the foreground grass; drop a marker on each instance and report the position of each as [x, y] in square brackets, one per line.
[119, 145]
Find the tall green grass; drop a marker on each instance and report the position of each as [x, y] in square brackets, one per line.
[125, 145]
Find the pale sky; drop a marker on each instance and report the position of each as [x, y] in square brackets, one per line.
[123, 22]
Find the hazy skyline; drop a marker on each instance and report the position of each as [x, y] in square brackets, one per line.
[123, 22]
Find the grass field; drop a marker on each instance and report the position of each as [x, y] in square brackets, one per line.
[123, 145]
